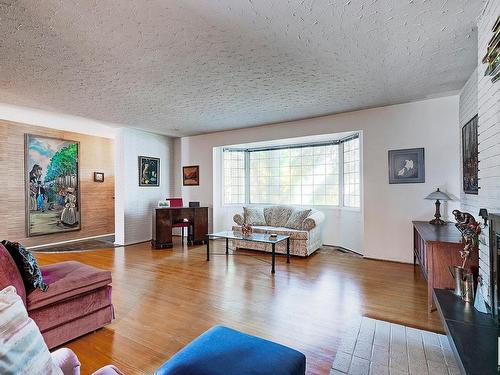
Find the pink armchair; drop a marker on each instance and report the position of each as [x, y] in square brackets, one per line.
[77, 302]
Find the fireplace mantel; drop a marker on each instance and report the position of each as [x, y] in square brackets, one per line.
[473, 335]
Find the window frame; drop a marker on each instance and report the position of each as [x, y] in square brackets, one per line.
[340, 144]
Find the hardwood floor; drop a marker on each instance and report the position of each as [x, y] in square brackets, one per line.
[165, 298]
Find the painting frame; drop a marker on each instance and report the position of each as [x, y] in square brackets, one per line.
[470, 157]
[141, 160]
[26, 171]
[399, 174]
[99, 177]
[191, 175]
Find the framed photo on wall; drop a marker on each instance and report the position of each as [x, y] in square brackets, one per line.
[52, 178]
[98, 177]
[149, 171]
[191, 175]
[470, 157]
[406, 166]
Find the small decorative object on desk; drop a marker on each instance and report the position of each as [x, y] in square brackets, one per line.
[246, 230]
[163, 203]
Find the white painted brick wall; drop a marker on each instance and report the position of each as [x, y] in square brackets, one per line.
[488, 102]
[468, 108]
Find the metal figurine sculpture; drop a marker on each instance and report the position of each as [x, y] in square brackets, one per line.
[470, 230]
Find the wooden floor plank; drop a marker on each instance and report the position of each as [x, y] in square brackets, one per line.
[166, 298]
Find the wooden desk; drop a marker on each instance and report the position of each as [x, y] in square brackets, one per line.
[163, 218]
[436, 247]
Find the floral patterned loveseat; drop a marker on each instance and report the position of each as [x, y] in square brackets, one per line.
[303, 225]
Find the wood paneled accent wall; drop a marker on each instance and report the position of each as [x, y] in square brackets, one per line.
[97, 199]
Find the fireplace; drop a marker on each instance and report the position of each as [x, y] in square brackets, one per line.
[494, 225]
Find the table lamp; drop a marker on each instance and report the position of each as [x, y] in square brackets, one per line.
[438, 196]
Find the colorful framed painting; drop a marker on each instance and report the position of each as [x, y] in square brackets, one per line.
[52, 185]
[470, 158]
[406, 166]
[149, 171]
[191, 175]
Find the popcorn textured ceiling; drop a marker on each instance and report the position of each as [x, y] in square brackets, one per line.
[195, 66]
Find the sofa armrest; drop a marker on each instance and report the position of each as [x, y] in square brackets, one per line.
[238, 219]
[314, 220]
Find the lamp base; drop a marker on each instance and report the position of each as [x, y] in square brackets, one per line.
[437, 221]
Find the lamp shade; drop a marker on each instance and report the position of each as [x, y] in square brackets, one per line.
[439, 195]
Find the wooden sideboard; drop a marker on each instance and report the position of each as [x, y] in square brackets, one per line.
[435, 248]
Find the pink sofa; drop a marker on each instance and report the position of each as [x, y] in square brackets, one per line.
[77, 302]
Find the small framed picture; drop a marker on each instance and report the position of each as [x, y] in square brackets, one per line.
[98, 177]
[406, 166]
[191, 175]
[163, 204]
[149, 171]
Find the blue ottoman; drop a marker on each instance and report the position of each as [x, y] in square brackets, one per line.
[224, 351]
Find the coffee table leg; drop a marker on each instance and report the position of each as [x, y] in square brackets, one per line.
[288, 250]
[208, 248]
[274, 258]
[227, 246]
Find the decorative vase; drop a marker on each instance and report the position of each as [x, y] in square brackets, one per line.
[246, 230]
[457, 273]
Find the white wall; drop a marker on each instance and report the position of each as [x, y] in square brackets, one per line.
[385, 228]
[134, 204]
[468, 108]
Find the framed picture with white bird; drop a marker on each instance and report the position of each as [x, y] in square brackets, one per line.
[407, 166]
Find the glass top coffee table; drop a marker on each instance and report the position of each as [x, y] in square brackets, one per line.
[254, 237]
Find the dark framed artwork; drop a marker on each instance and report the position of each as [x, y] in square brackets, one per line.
[149, 171]
[51, 170]
[407, 166]
[470, 160]
[191, 175]
[98, 177]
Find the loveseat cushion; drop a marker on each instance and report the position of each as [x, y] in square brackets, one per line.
[10, 274]
[277, 216]
[253, 216]
[297, 218]
[66, 280]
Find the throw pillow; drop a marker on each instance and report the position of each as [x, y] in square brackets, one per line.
[28, 266]
[297, 218]
[280, 215]
[238, 219]
[22, 349]
[253, 216]
[268, 215]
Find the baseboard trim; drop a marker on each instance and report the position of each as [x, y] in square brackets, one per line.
[70, 241]
[345, 249]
